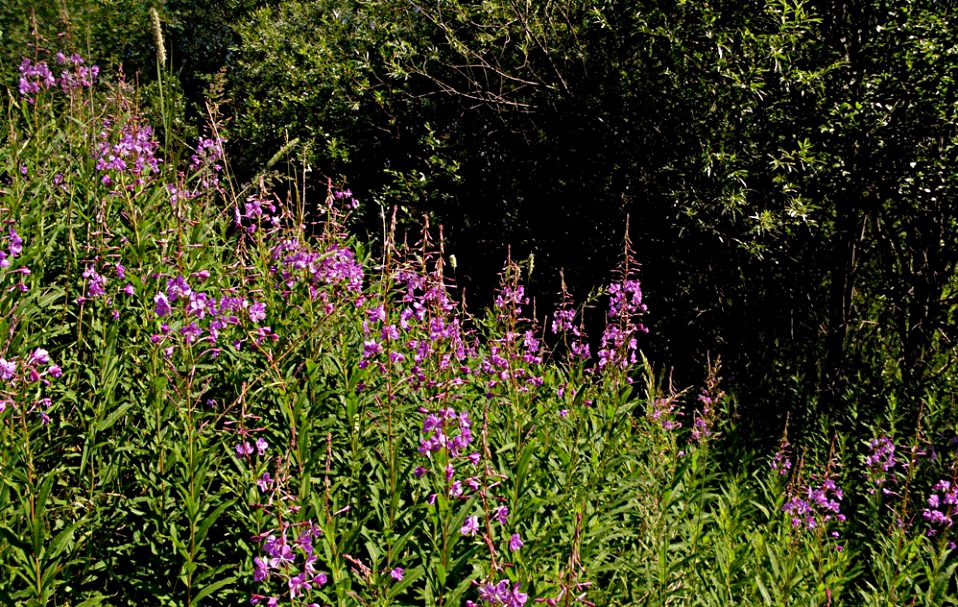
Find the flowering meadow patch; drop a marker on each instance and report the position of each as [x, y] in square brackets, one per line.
[203, 401]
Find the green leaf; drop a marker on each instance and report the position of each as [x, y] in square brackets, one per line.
[62, 541]
[208, 590]
[204, 526]
[114, 416]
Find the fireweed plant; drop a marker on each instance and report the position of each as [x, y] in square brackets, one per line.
[206, 399]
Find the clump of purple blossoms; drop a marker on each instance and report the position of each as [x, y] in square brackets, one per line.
[206, 162]
[205, 166]
[246, 448]
[564, 323]
[880, 463]
[819, 506]
[942, 507]
[504, 593]
[663, 413]
[256, 211]
[425, 333]
[134, 154]
[446, 430]
[95, 283]
[35, 77]
[781, 462]
[297, 263]
[36, 368]
[206, 317]
[78, 76]
[345, 197]
[517, 355]
[512, 297]
[618, 346]
[209, 153]
[292, 559]
[704, 418]
[14, 248]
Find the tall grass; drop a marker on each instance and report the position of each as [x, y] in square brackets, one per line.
[207, 400]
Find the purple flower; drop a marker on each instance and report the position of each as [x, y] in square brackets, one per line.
[161, 305]
[279, 549]
[515, 542]
[563, 321]
[39, 357]
[257, 312]
[34, 77]
[208, 153]
[396, 574]
[780, 461]
[390, 333]
[511, 295]
[261, 571]
[16, 243]
[471, 526]
[377, 313]
[96, 284]
[502, 594]
[298, 584]
[501, 515]
[177, 287]
[244, 448]
[264, 481]
[261, 446]
[820, 505]
[7, 369]
[942, 509]
[371, 348]
[191, 332]
[881, 461]
[199, 305]
[133, 154]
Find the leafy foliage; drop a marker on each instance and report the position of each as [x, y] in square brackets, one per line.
[206, 397]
